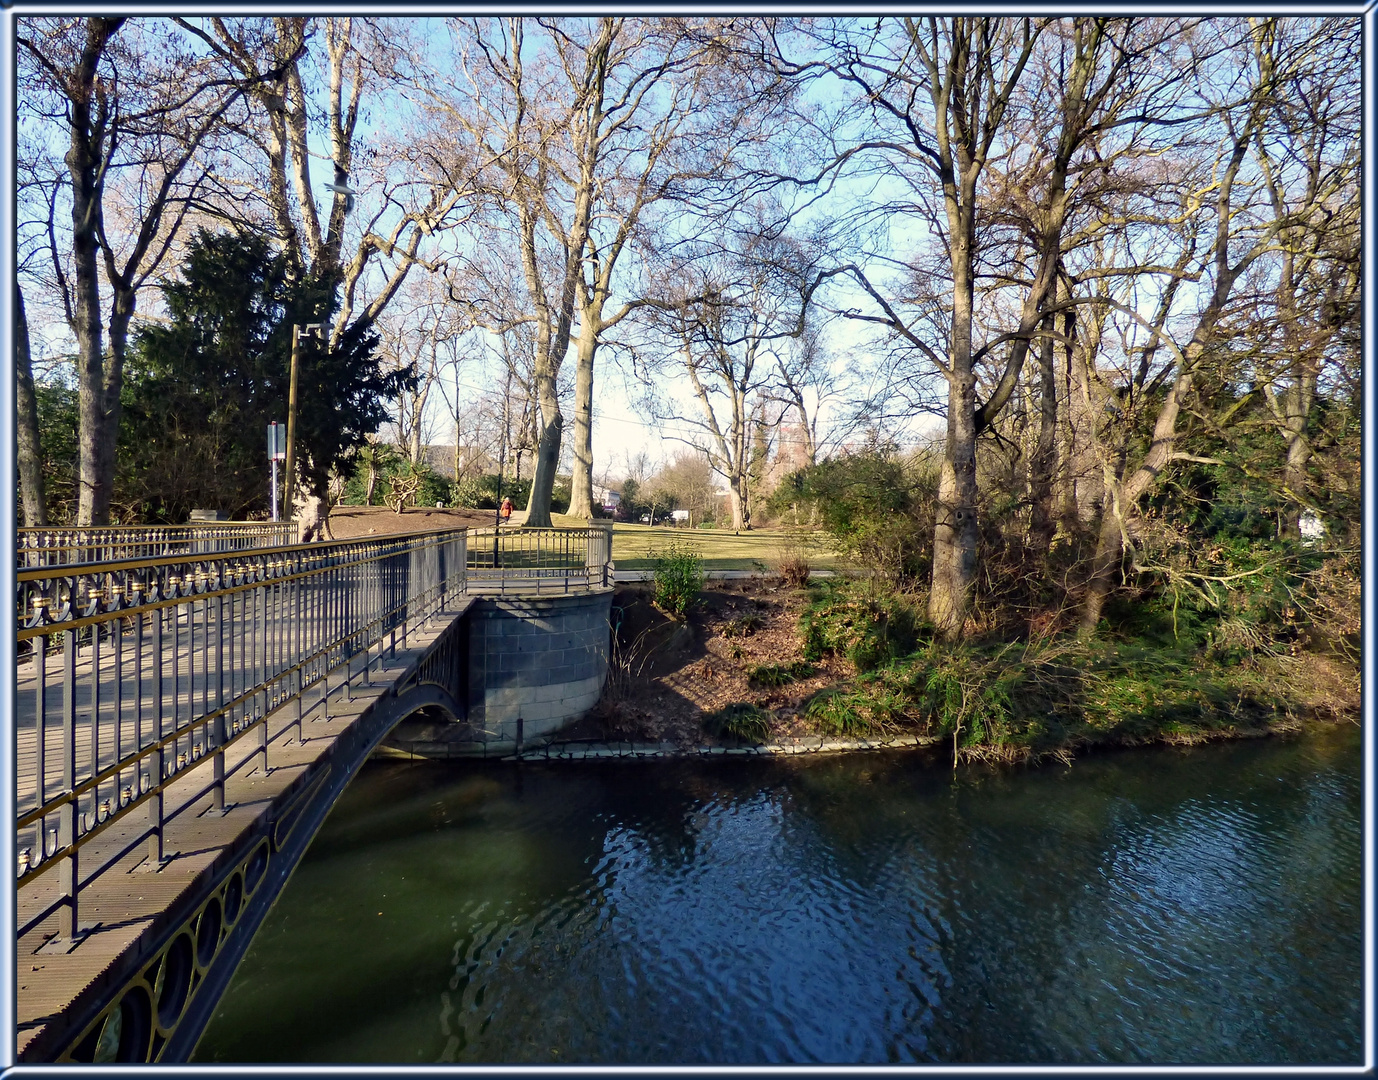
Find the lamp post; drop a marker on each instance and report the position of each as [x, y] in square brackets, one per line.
[299, 330]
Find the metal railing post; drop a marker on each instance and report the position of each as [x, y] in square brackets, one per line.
[95, 707]
[67, 816]
[298, 650]
[216, 732]
[41, 726]
[157, 760]
[260, 719]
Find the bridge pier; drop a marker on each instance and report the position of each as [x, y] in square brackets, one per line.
[533, 666]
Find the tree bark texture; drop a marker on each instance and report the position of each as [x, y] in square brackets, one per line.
[955, 533]
[1043, 465]
[89, 119]
[547, 460]
[29, 449]
[581, 491]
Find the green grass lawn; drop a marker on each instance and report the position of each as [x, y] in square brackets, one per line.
[720, 549]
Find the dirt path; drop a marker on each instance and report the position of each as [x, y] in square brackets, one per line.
[349, 522]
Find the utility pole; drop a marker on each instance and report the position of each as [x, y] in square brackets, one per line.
[299, 330]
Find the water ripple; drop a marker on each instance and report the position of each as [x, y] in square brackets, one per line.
[1153, 908]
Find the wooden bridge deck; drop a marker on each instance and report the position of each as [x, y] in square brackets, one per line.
[127, 905]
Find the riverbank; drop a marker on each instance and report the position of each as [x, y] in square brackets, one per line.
[760, 666]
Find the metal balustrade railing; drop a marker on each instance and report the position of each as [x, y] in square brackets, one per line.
[137, 678]
[506, 560]
[62, 546]
[144, 684]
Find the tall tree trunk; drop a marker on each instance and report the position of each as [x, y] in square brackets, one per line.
[1294, 474]
[1109, 551]
[738, 498]
[1122, 495]
[90, 113]
[30, 450]
[547, 455]
[311, 512]
[122, 311]
[955, 534]
[581, 491]
[1084, 476]
[1043, 465]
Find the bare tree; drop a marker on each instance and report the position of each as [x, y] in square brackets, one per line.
[584, 125]
[408, 192]
[1311, 143]
[806, 382]
[730, 312]
[946, 85]
[985, 124]
[508, 107]
[137, 104]
[685, 482]
[1243, 223]
[675, 112]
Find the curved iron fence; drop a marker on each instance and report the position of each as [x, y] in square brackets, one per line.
[510, 560]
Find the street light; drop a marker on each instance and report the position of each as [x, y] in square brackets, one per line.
[299, 330]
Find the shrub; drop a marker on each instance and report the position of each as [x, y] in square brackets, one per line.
[742, 625]
[747, 722]
[481, 492]
[1012, 702]
[780, 674]
[678, 578]
[389, 465]
[839, 712]
[794, 571]
[869, 627]
[874, 505]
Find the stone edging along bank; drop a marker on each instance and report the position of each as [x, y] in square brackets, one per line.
[622, 749]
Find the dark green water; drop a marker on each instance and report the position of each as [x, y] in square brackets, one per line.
[1147, 906]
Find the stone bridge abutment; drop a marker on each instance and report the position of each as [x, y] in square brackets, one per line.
[531, 666]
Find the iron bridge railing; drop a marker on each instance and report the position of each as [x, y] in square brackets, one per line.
[60, 546]
[144, 684]
[509, 560]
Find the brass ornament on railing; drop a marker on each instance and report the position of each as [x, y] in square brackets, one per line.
[87, 597]
[62, 607]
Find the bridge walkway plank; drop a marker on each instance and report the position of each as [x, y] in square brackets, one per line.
[128, 902]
